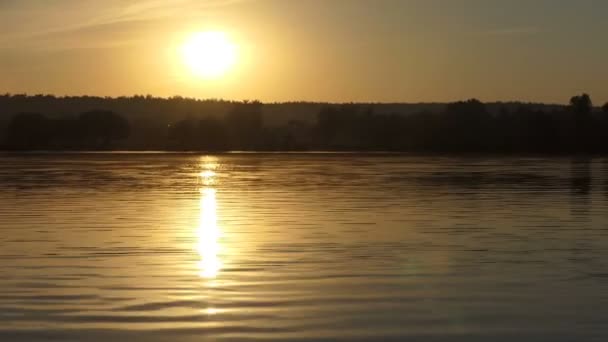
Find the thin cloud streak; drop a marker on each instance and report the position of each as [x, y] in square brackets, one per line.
[513, 31]
[117, 17]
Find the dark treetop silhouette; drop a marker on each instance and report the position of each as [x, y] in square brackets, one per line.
[46, 122]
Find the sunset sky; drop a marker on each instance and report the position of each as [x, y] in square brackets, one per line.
[314, 50]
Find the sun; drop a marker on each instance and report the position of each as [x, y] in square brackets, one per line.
[209, 55]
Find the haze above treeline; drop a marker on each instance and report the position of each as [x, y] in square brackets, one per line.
[46, 122]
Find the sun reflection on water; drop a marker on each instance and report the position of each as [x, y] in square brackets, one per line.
[208, 232]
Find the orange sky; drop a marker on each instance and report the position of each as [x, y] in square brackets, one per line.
[318, 50]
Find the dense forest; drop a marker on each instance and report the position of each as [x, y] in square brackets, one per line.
[46, 122]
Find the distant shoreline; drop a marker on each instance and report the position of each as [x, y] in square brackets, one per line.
[370, 153]
[179, 125]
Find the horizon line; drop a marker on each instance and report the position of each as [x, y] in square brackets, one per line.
[318, 102]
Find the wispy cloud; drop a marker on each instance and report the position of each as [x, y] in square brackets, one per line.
[512, 31]
[70, 18]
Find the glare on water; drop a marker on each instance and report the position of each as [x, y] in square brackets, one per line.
[208, 232]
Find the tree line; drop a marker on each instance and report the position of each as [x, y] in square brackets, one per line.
[89, 130]
[467, 126]
[464, 126]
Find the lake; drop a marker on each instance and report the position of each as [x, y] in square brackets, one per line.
[302, 247]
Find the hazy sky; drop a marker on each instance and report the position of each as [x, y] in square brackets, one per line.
[325, 50]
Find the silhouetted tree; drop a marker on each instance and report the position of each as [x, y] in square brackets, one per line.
[207, 134]
[466, 125]
[601, 129]
[244, 123]
[99, 128]
[344, 126]
[329, 122]
[581, 108]
[66, 133]
[213, 134]
[581, 105]
[29, 131]
[183, 135]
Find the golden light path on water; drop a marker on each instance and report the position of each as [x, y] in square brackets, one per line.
[208, 232]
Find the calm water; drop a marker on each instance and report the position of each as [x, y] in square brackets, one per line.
[169, 247]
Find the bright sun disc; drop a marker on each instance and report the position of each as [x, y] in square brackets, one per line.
[209, 54]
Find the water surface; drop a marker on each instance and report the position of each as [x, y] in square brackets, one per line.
[306, 247]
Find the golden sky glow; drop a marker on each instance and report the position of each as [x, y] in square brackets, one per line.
[314, 50]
